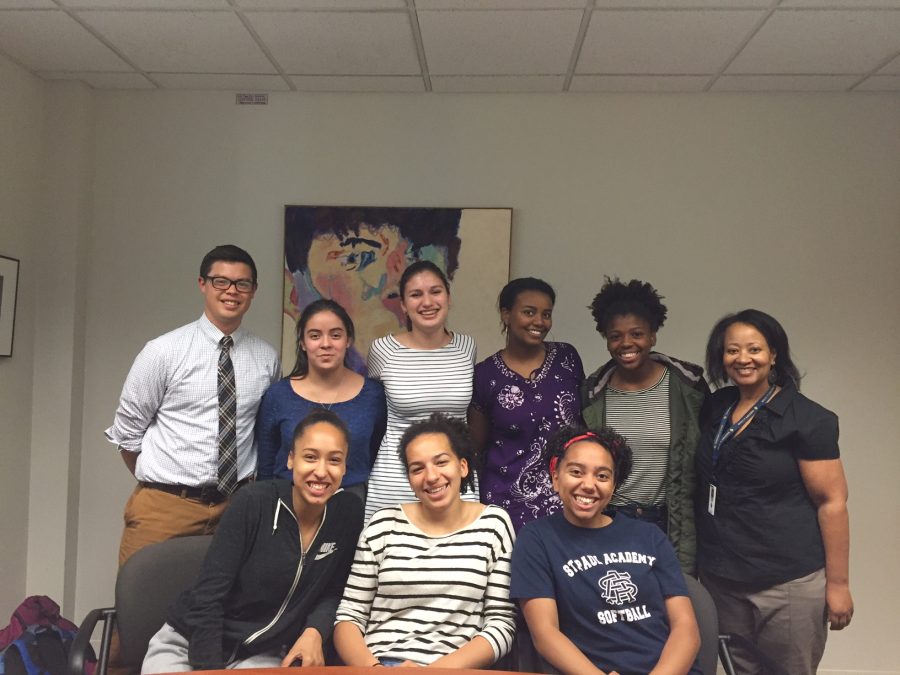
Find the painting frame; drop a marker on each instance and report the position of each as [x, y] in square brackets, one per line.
[9, 289]
[356, 254]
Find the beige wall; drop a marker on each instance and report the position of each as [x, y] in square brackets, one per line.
[21, 109]
[46, 175]
[785, 202]
[63, 238]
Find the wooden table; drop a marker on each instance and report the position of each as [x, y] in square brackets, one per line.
[356, 670]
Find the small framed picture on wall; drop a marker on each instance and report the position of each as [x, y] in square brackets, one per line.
[9, 284]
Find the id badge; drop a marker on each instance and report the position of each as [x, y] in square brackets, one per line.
[711, 506]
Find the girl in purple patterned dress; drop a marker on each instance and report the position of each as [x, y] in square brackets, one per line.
[522, 395]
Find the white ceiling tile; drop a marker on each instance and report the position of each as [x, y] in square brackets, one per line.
[210, 42]
[117, 81]
[321, 4]
[104, 80]
[848, 4]
[880, 83]
[784, 83]
[470, 45]
[52, 40]
[378, 83]
[499, 4]
[683, 4]
[821, 42]
[146, 4]
[639, 83]
[892, 68]
[27, 4]
[663, 42]
[498, 83]
[339, 43]
[498, 42]
[227, 82]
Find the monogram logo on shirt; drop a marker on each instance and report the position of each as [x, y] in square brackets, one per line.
[617, 588]
[326, 550]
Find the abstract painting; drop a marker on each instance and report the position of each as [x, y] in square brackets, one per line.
[355, 256]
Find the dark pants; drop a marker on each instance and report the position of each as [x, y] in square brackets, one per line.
[782, 626]
[658, 515]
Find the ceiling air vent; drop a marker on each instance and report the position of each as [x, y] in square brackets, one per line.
[251, 99]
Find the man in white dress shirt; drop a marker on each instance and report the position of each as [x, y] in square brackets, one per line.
[185, 421]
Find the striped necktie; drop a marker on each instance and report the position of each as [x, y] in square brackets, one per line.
[227, 420]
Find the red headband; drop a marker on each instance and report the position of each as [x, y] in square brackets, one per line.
[581, 437]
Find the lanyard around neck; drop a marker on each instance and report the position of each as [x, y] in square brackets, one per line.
[726, 432]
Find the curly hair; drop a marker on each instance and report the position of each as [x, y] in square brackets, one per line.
[614, 443]
[784, 370]
[618, 299]
[457, 434]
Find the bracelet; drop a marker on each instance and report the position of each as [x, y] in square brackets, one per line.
[377, 663]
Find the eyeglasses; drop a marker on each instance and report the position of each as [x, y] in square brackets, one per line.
[224, 283]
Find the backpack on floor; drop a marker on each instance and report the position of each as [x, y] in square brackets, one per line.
[37, 639]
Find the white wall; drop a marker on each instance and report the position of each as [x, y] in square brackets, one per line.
[46, 176]
[56, 431]
[21, 109]
[789, 203]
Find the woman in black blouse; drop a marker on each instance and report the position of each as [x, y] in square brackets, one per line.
[772, 523]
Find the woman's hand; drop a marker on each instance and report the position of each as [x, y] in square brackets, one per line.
[827, 487]
[542, 615]
[839, 604]
[683, 643]
[351, 646]
[307, 648]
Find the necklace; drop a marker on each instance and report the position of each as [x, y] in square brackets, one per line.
[337, 395]
[315, 394]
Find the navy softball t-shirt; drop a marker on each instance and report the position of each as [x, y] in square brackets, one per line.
[610, 585]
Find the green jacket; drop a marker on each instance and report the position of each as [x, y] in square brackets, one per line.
[687, 391]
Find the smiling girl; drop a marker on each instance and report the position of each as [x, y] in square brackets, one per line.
[654, 401]
[275, 569]
[430, 581]
[426, 369]
[321, 378]
[522, 395]
[601, 593]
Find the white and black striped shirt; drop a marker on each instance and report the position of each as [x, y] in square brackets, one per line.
[418, 597]
[417, 382]
[642, 417]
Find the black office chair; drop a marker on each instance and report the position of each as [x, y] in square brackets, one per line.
[146, 586]
[713, 645]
